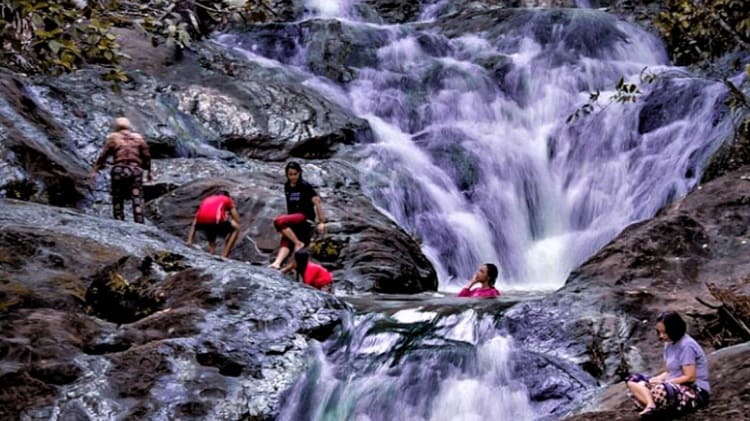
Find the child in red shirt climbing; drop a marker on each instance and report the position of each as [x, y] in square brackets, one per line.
[308, 272]
[212, 219]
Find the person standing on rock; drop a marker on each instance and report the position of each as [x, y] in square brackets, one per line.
[682, 386]
[302, 205]
[130, 157]
[485, 277]
[212, 219]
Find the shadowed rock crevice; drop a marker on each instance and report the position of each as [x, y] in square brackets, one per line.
[125, 291]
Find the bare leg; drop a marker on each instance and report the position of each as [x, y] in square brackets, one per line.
[288, 233]
[642, 394]
[280, 257]
[229, 243]
[212, 247]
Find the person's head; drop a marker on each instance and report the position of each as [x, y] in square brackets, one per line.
[301, 258]
[487, 273]
[293, 172]
[670, 326]
[223, 193]
[122, 123]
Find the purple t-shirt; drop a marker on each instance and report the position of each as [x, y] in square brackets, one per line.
[687, 352]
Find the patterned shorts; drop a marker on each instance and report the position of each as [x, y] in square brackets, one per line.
[669, 397]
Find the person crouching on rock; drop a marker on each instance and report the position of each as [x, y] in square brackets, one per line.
[683, 385]
[302, 204]
[130, 157]
[308, 272]
[485, 278]
[211, 218]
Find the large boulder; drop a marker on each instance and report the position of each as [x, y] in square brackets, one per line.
[604, 315]
[194, 335]
[365, 249]
[212, 103]
[730, 392]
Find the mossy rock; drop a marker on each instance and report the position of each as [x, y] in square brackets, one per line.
[327, 249]
[170, 262]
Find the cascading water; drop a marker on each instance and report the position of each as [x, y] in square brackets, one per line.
[474, 154]
[411, 366]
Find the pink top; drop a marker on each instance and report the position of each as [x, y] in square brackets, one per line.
[317, 276]
[489, 292]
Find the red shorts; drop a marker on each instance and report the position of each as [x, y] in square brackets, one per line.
[298, 223]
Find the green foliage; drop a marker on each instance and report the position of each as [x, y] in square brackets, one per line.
[698, 30]
[58, 36]
[624, 93]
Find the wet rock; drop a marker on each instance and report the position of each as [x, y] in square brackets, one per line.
[361, 245]
[230, 334]
[395, 11]
[730, 397]
[613, 298]
[588, 32]
[332, 48]
[35, 158]
[732, 155]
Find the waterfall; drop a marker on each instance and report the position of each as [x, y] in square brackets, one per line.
[474, 155]
[411, 365]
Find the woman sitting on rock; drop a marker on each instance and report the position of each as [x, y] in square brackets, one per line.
[485, 278]
[683, 385]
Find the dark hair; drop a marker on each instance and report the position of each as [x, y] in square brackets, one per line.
[301, 257]
[223, 193]
[492, 273]
[293, 165]
[674, 326]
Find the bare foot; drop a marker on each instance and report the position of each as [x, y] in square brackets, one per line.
[274, 266]
[648, 411]
[298, 246]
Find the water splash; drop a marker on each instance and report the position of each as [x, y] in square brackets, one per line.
[427, 367]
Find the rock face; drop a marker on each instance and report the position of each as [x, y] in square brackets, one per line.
[242, 118]
[603, 317]
[230, 334]
[730, 392]
[365, 250]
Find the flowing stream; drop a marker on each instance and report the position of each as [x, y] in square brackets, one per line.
[474, 153]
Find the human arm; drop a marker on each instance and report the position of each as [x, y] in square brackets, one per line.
[472, 282]
[191, 233]
[687, 377]
[659, 378]
[145, 154]
[235, 218]
[102, 159]
[290, 267]
[319, 216]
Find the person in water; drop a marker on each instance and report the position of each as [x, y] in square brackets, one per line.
[308, 272]
[485, 279]
[682, 386]
[130, 157]
[212, 219]
[302, 205]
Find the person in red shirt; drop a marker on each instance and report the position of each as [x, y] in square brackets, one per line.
[485, 278]
[212, 219]
[308, 272]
